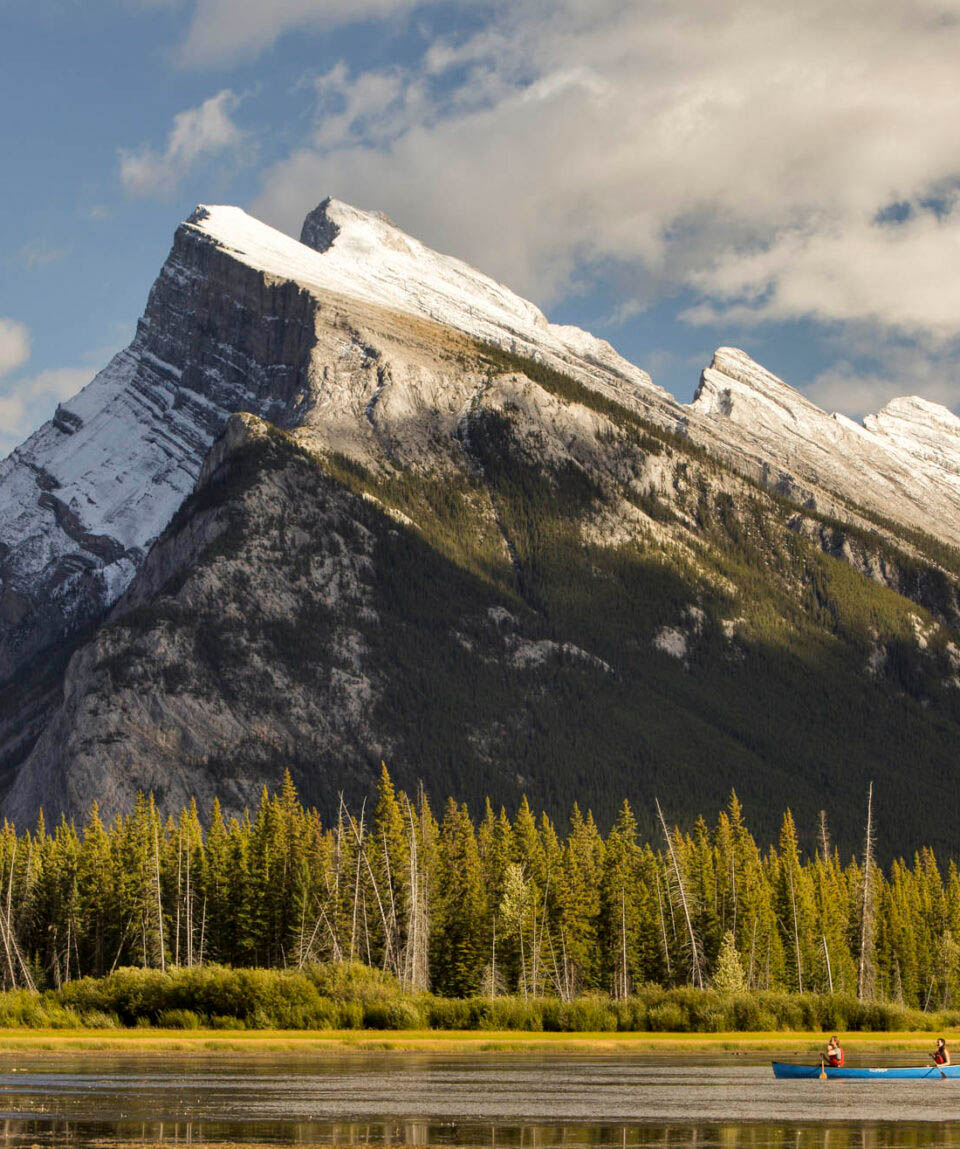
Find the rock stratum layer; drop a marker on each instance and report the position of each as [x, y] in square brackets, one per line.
[189, 603]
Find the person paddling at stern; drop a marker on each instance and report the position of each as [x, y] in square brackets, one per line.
[942, 1056]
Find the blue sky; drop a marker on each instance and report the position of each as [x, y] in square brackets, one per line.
[672, 176]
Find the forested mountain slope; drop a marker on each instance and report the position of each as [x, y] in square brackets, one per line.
[493, 554]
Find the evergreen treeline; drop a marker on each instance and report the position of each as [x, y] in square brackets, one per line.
[463, 907]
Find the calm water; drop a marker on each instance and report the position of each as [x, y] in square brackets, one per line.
[487, 1100]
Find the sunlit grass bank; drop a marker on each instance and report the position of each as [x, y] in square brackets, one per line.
[207, 1041]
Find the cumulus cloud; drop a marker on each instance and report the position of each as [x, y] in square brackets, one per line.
[26, 400]
[225, 31]
[197, 134]
[860, 384]
[14, 344]
[745, 152]
[903, 276]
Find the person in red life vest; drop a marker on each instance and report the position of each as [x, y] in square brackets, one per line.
[942, 1056]
[834, 1054]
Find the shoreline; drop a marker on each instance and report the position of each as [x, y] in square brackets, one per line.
[480, 1042]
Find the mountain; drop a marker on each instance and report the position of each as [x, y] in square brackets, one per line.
[487, 549]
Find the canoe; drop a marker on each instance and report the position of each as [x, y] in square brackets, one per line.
[894, 1073]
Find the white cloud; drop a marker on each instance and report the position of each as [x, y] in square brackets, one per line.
[56, 383]
[29, 400]
[25, 401]
[197, 134]
[14, 344]
[224, 31]
[374, 108]
[903, 277]
[742, 150]
[37, 253]
[884, 371]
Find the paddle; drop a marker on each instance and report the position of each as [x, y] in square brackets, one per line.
[823, 1069]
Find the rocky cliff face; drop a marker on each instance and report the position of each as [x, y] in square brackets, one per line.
[82, 500]
[481, 546]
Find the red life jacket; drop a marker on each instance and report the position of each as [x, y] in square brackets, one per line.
[939, 1058]
[835, 1060]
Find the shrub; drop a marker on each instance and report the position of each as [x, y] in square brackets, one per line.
[98, 1019]
[838, 1012]
[513, 1013]
[706, 1011]
[221, 1022]
[352, 981]
[452, 1013]
[631, 1015]
[398, 1014]
[350, 996]
[587, 1015]
[667, 1018]
[23, 1009]
[307, 1013]
[766, 1020]
[178, 1019]
[784, 1007]
[350, 1015]
[746, 1013]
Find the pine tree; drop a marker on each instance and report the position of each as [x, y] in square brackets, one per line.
[728, 977]
[457, 955]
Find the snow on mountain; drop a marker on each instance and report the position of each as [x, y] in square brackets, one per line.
[312, 334]
[365, 255]
[83, 498]
[903, 463]
[923, 429]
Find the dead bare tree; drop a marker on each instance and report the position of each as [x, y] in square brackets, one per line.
[826, 958]
[796, 930]
[176, 929]
[823, 837]
[865, 975]
[663, 924]
[156, 862]
[390, 952]
[753, 948]
[356, 885]
[17, 969]
[623, 984]
[416, 963]
[696, 970]
[733, 882]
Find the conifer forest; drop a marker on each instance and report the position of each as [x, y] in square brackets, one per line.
[462, 906]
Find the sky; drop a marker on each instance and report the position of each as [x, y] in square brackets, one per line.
[673, 175]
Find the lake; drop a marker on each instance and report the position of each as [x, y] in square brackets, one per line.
[523, 1100]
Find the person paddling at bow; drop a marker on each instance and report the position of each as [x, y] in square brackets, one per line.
[942, 1055]
[834, 1054]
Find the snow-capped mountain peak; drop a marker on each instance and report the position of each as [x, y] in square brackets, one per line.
[366, 256]
[244, 318]
[902, 463]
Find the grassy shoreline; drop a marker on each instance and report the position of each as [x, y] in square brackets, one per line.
[209, 1041]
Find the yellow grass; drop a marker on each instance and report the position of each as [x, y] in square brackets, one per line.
[202, 1041]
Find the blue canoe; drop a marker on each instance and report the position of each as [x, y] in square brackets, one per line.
[895, 1073]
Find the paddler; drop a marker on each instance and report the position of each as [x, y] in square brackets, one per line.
[834, 1054]
[942, 1055]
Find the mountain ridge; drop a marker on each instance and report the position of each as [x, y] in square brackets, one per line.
[538, 475]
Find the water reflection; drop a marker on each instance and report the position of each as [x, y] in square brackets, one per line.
[517, 1102]
[746, 1135]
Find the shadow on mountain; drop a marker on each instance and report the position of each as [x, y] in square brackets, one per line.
[320, 618]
